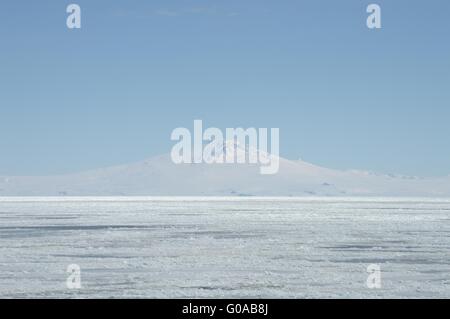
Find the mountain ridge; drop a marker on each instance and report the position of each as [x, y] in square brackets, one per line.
[159, 176]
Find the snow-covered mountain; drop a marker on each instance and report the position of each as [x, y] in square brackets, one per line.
[159, 176]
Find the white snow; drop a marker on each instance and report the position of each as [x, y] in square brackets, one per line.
[224, 247]
[158, 176]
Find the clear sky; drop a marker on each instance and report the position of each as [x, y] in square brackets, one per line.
[342, 95]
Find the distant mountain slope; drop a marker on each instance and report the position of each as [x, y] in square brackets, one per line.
[159, 176]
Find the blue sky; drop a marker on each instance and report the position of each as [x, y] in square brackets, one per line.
[342, 95]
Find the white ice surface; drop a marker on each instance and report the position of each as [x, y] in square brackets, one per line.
[224, 247]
